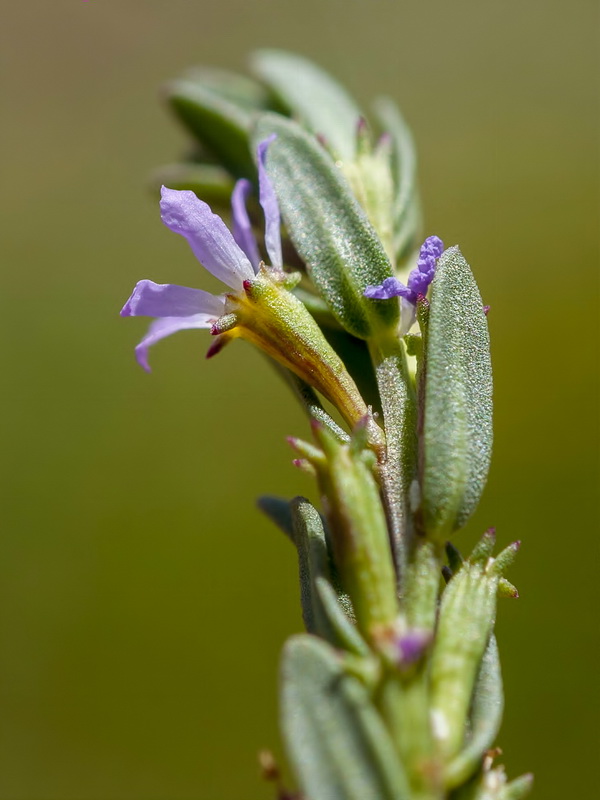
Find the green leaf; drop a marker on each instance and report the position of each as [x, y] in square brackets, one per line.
[457, 430]
[360, 542]
[238, 89]
[312, 96]
[328, 227]
[343, 633]
[465, 623]
[279, 511]
[422, 585]
[485, 718]
[492, 785]
[310, 402]
[517, 789]
[220, 124]
[313, 561]
[336, 741]
[407, 211]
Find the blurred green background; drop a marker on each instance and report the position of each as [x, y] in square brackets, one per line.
[143, 599]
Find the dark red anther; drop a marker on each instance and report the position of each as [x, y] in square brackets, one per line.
[217, 345]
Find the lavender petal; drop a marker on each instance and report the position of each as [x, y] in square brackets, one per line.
[391, 287]
[150, 299]
[242, 227]
[418, 282]
[431, 249]
[211, 242]
[408, 315]
[161, 328]
[268, 201]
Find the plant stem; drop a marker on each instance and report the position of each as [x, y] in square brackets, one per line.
[404, 705]
[399, 462]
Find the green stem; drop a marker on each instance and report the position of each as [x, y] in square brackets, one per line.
[404, 705]
[399, 462]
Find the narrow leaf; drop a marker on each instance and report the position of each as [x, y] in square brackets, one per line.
[312, 96]
[407, 212]
[328, 227]
[465, 623]
[279, 511]
[218, 123]
[237, 89]
[517, 789]
[457, 431]
[336, 741]
[343, 633]
[313, 560]
[485, 718]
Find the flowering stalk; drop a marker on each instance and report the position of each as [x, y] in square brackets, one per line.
[395, 691]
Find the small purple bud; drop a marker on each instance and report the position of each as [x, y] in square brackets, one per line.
[362, 126]
[486, 310]
[412, 645]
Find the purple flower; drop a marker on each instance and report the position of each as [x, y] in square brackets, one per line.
[233, 259]
[417, 284]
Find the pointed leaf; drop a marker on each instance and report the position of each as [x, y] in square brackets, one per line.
[312, 96]
[327, 226]
[336, 741]
[517, 789]
[485, 718]
[343, 633]
[237, 89]
[407, 211]
[465, 623]
[313, 560]
[457, 432]
[218, 123]
[279, 511]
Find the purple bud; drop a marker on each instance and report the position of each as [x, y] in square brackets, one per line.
[412, 645]
[362, 126]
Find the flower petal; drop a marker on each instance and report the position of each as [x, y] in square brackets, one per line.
[242, 227]
[268, 201]
[210, 240]
[391, 287]
[408, 315]
[164, 327]
[151, 299]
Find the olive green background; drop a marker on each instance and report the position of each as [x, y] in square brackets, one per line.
[143, 599]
